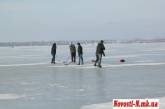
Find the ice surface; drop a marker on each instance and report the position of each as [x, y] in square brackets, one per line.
[29, 81]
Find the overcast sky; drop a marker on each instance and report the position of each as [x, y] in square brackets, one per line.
[37, 20]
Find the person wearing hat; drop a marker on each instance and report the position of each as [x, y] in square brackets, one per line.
[53, 52]
[80, 54]
[99, 52]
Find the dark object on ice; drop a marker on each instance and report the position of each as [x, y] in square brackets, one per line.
[73, 52]
[53, 52]
[80, 54]
[99, 52]
[122, 60]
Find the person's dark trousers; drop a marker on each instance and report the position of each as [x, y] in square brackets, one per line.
[100, 59]
[80, 59]
[97, 59]
[53, 58]
[74, 57]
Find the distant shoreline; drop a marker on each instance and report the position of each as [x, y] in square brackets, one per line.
[48, 43]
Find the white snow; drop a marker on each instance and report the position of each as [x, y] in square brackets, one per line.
[10, 96]
[17, 65]
[89, 66]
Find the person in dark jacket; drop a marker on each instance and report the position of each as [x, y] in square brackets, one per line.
[73, 52]
[53, 52]
[99, 52]
[80, 54]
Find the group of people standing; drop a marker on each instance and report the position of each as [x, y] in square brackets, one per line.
[99, 53]
[73, 53]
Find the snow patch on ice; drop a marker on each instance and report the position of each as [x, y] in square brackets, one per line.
[57, 85]
[10, 96]
[123, 65]
[18, 65]
[155, 50]
[144, 61]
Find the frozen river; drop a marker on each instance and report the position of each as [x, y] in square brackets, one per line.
[29, 81]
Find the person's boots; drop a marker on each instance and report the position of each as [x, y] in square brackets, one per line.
[99, 66]
[53, 62]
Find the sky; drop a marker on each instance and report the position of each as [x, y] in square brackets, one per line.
[46, 20]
